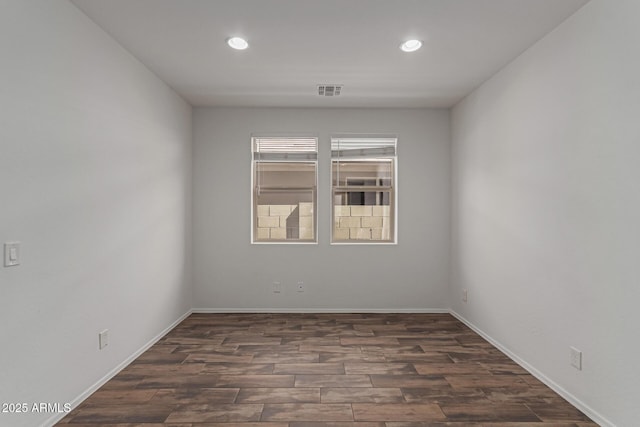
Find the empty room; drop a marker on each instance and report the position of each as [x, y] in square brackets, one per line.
[319, 213]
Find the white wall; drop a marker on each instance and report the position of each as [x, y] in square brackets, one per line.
[230, 273]
[95, 166]
[546, 207]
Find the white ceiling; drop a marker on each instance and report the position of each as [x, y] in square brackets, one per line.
[298, 44]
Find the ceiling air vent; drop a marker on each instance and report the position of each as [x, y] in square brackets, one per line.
[329, 90]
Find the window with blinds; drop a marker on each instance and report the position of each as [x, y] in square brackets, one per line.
[363, 190]
[284, 183]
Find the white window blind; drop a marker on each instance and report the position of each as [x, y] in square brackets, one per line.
[285, 149]
[363, 147]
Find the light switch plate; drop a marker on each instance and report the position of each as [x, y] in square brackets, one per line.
[11, 254]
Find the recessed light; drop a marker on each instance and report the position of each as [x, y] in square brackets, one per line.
[237, 43]
[411, 45]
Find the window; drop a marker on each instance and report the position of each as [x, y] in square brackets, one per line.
[284, 181]
[363, 190]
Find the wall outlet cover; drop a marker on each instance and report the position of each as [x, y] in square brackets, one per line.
[103, 339]
[576, 358]
[11, 254]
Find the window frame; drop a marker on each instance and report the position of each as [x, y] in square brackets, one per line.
[314, 189]
[393, 190]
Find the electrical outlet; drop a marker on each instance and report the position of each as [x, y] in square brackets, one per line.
[103, 339]
[276, 287]
[300, 286]
[576, 358]
[11, 254]
[464, 295]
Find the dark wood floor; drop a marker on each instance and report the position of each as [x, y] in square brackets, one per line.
[324, 370]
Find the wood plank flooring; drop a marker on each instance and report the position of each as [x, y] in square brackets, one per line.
[324, 370]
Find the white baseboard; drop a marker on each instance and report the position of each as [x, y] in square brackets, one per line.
[588, 411]
[88, 392]
[321, 310]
